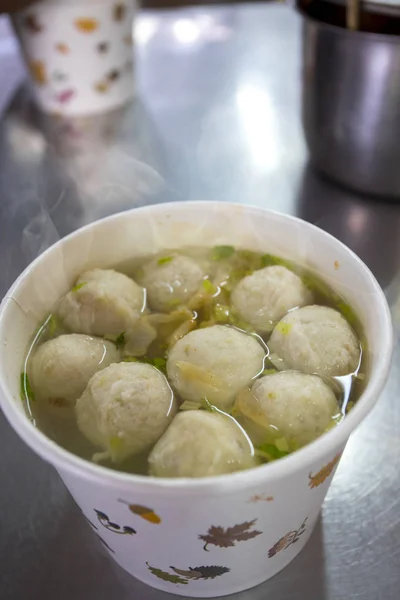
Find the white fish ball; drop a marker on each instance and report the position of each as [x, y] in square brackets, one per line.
[171, 282]
[125, 409]
[103, 302]
[289, 404]
[201, 444]
[61, 368]
[266, 295]
[315, 339]
[214, 363]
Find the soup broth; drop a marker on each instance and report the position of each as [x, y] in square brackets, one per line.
[210, 297]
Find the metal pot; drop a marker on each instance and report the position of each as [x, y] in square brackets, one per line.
[351, 105]
[383, 7]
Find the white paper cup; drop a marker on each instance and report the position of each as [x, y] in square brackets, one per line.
[79, 53]
[202, 537]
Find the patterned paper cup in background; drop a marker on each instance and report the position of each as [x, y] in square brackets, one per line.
[213, 536]
[79, 53]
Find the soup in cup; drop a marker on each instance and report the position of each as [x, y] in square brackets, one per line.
[203, 533]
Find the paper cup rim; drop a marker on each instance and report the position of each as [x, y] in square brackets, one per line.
[329, 442]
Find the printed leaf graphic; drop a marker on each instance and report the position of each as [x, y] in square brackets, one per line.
[202, 572]
[323, 474]
[105, 544]
[144, 512]
[114, 527]
[100, 538]
[287, 540]
[166, 576]
[86, 25]
[191, 574]
[119, 11]
[38, 71]
[226, 538]
[32, 23]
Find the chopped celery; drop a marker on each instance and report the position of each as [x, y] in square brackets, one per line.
[284, 328]
[269, 260]
[282, 445]
[159, 363]
[164, 260]
[221, 313]
[271, 451]
[220, 252]
[209, 287]
[52, 325]
[26, 389]
[347, 312]
[78, 286]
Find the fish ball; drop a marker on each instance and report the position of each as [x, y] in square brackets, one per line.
[61, 368]
[125, 409]
[201, 444]
[315, 339]
[266, 295]
[214, 363]
[172, 282]
[289, 404]
[103, 302]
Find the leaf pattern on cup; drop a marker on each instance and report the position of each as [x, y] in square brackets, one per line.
[114, 527]
[32, 23]
[104, 543]
[59, 76]
[260, 498]
[38, 71]
[210, 572]
[148, 514]
[103, 47]
[99, 536]
[62, 48]
[287, 540]
[86, 24]
[324, 473]
[183, 576]
[113, 75]
[227, 538]
[102, 87]
[111, 78]
[65, 96]
[119, 11]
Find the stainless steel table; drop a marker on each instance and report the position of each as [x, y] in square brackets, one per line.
[217, 117]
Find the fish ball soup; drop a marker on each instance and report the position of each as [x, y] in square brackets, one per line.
[194, 363]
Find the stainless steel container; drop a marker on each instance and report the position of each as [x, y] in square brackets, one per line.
[351, 105]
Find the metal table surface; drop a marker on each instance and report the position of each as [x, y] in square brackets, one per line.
[216, 117]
